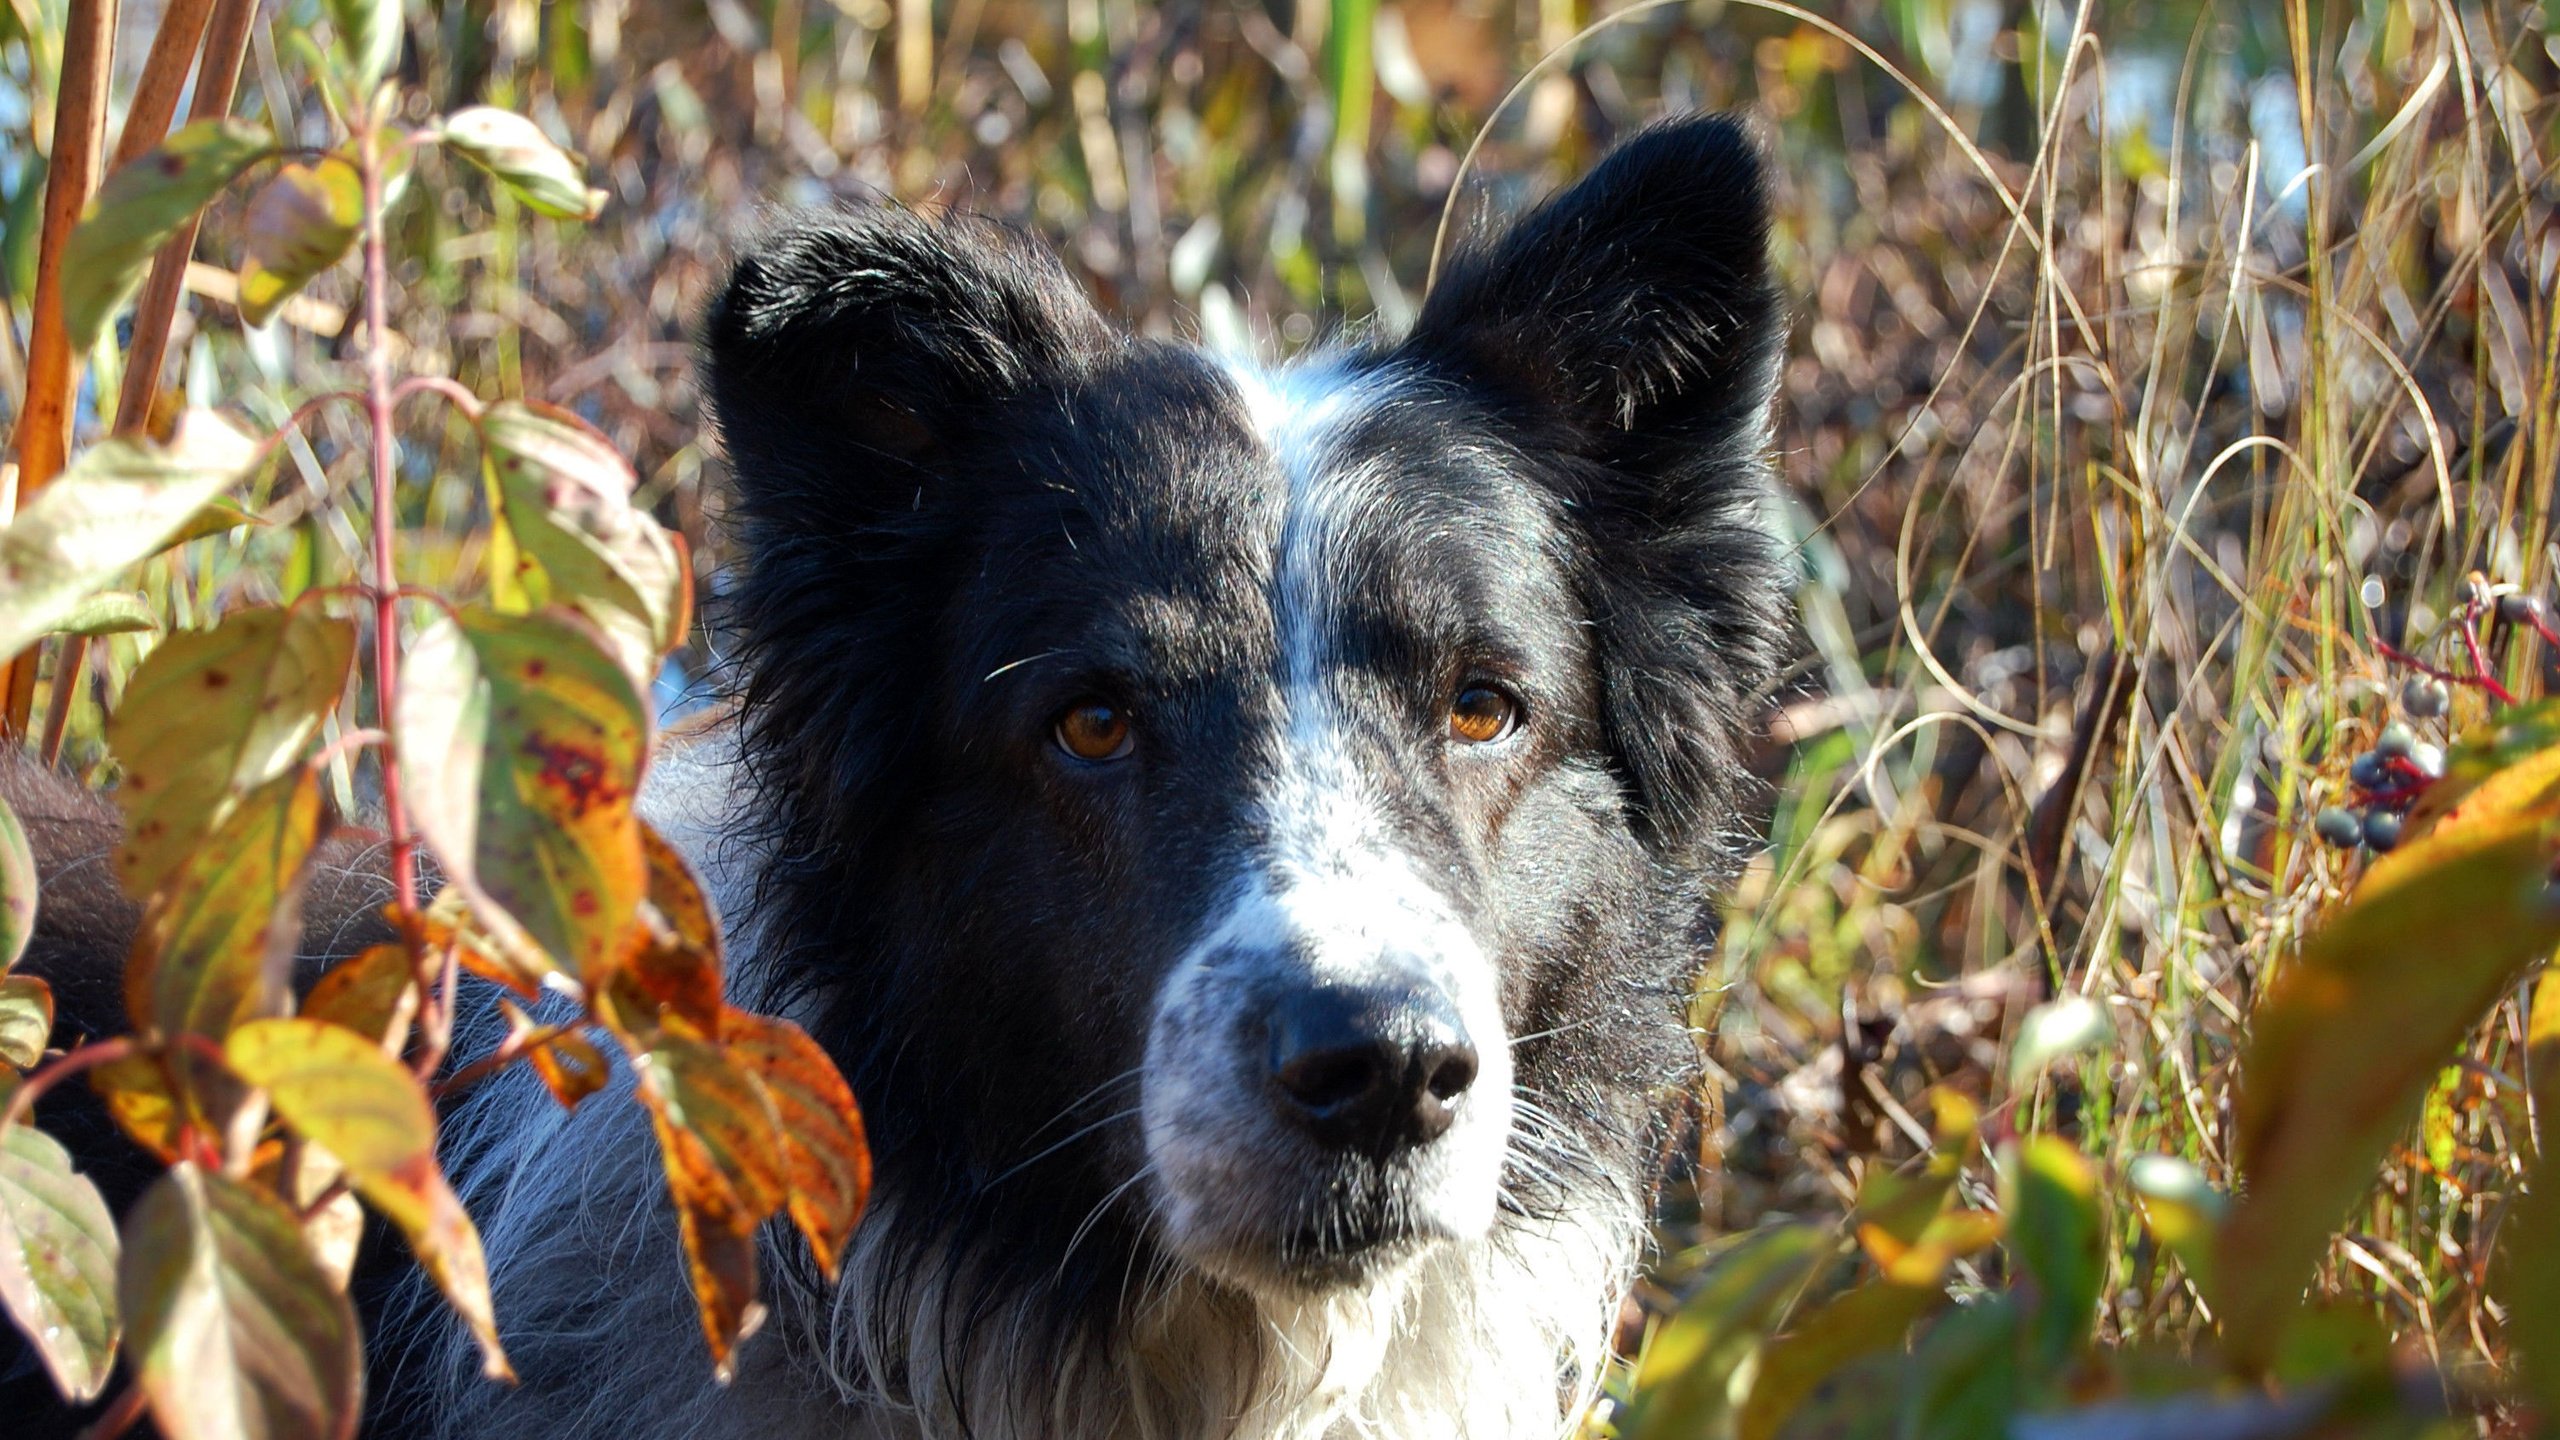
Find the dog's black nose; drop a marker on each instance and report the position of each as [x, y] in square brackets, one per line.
[1369, 1068]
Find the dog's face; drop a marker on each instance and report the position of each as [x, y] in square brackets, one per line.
[1213, 800]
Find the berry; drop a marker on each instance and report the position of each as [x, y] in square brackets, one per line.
[2395, 742]
[2338, 827]
[2382, 829]
[2425, 697]
[2369, 771]
[2474, 590]
[2429, 759]
[2519, 609]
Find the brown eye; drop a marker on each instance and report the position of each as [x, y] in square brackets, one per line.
[1481, 715]
[1092, 730]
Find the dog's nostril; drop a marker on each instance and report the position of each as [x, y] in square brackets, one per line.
[1374, 1069]
[1453, 1072]
[1326, 1079]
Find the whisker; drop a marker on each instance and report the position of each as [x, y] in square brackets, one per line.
[1085, 1099]
[1095, 1214]
[1071, 1138]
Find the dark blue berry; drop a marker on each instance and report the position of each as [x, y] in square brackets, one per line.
[2382, 829]
[2338, 826]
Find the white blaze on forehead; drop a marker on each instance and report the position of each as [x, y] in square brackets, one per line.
[1324, 890]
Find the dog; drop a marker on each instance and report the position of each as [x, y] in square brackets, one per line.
[1247, 834]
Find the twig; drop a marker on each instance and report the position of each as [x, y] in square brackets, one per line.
[119, 1417]
[44, 420]
[44, 1078]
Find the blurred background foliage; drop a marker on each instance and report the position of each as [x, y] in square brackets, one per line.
[2152, 363]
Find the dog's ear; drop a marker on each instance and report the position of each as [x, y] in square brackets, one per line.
[1631, 324]
[850, 347]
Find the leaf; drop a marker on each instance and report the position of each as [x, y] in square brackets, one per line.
[340, 1092]
[118, 503]
[217, 517]
[2352, 1031]
[2053, 1030]
[142, 205]
[26, 1020]
[117, 612]
[717, 1137]
[214, 715]
[2180, 1209]
[548, 179]
[2527, 1269]
[2050, 1200]
[565, 496]
[568, 1063]
[1856, 1323]
[368, 42]
[826, 1159]
[571, 1067]
[1969, 1383]
[373, 992]
[216, 948]
[1684, 1378]
[57, 1261]
[139, 1096]
[235, 1331]
[303, 221]
[17, 888]
[672, 966]
[521, 742]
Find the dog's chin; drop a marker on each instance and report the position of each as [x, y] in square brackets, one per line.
[1291, 1243]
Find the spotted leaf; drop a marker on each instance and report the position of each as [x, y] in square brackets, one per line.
[213, 715]
[521, 742]
[57, 1260]
[141, 206]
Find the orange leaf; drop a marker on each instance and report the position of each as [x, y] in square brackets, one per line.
[825, 1157]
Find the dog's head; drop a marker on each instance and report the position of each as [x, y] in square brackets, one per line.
[1261, 818]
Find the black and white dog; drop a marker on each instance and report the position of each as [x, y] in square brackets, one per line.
[1246, 834]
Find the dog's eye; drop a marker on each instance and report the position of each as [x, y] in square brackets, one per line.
[1481, 715]
[1093, 730]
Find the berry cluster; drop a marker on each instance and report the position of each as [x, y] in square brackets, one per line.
[2388, 778]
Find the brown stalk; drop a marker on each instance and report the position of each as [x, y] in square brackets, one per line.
[164, 76]
[44, 421]
[2102, 716]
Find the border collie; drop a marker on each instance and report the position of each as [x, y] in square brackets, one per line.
[1247, 835]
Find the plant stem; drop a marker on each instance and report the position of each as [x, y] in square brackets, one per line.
[386, 526]
[97, 1052]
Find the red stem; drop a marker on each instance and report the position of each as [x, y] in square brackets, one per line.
[380, 399]
[119, 1418]
[96, 1052]
[2480, 662]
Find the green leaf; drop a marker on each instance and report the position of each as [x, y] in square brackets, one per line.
[548, 179]
[214, 715]
[26, 1020]
[216, 946]
[1684, 1379]
[57, 1260]
[2068, 1026]
[338, 1090]
[368, 42]
[2354, 1029]
[218, 517]
[2051, 1202]
[117, 612]
[521, 742]
[1857, 1323]
[141, 206]
[236, 1332]
[1969, 1381]
[576, 540]
[117, 504]
[2527, 1270]
[2180, 1209]
[301, 222]
[17, 888]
